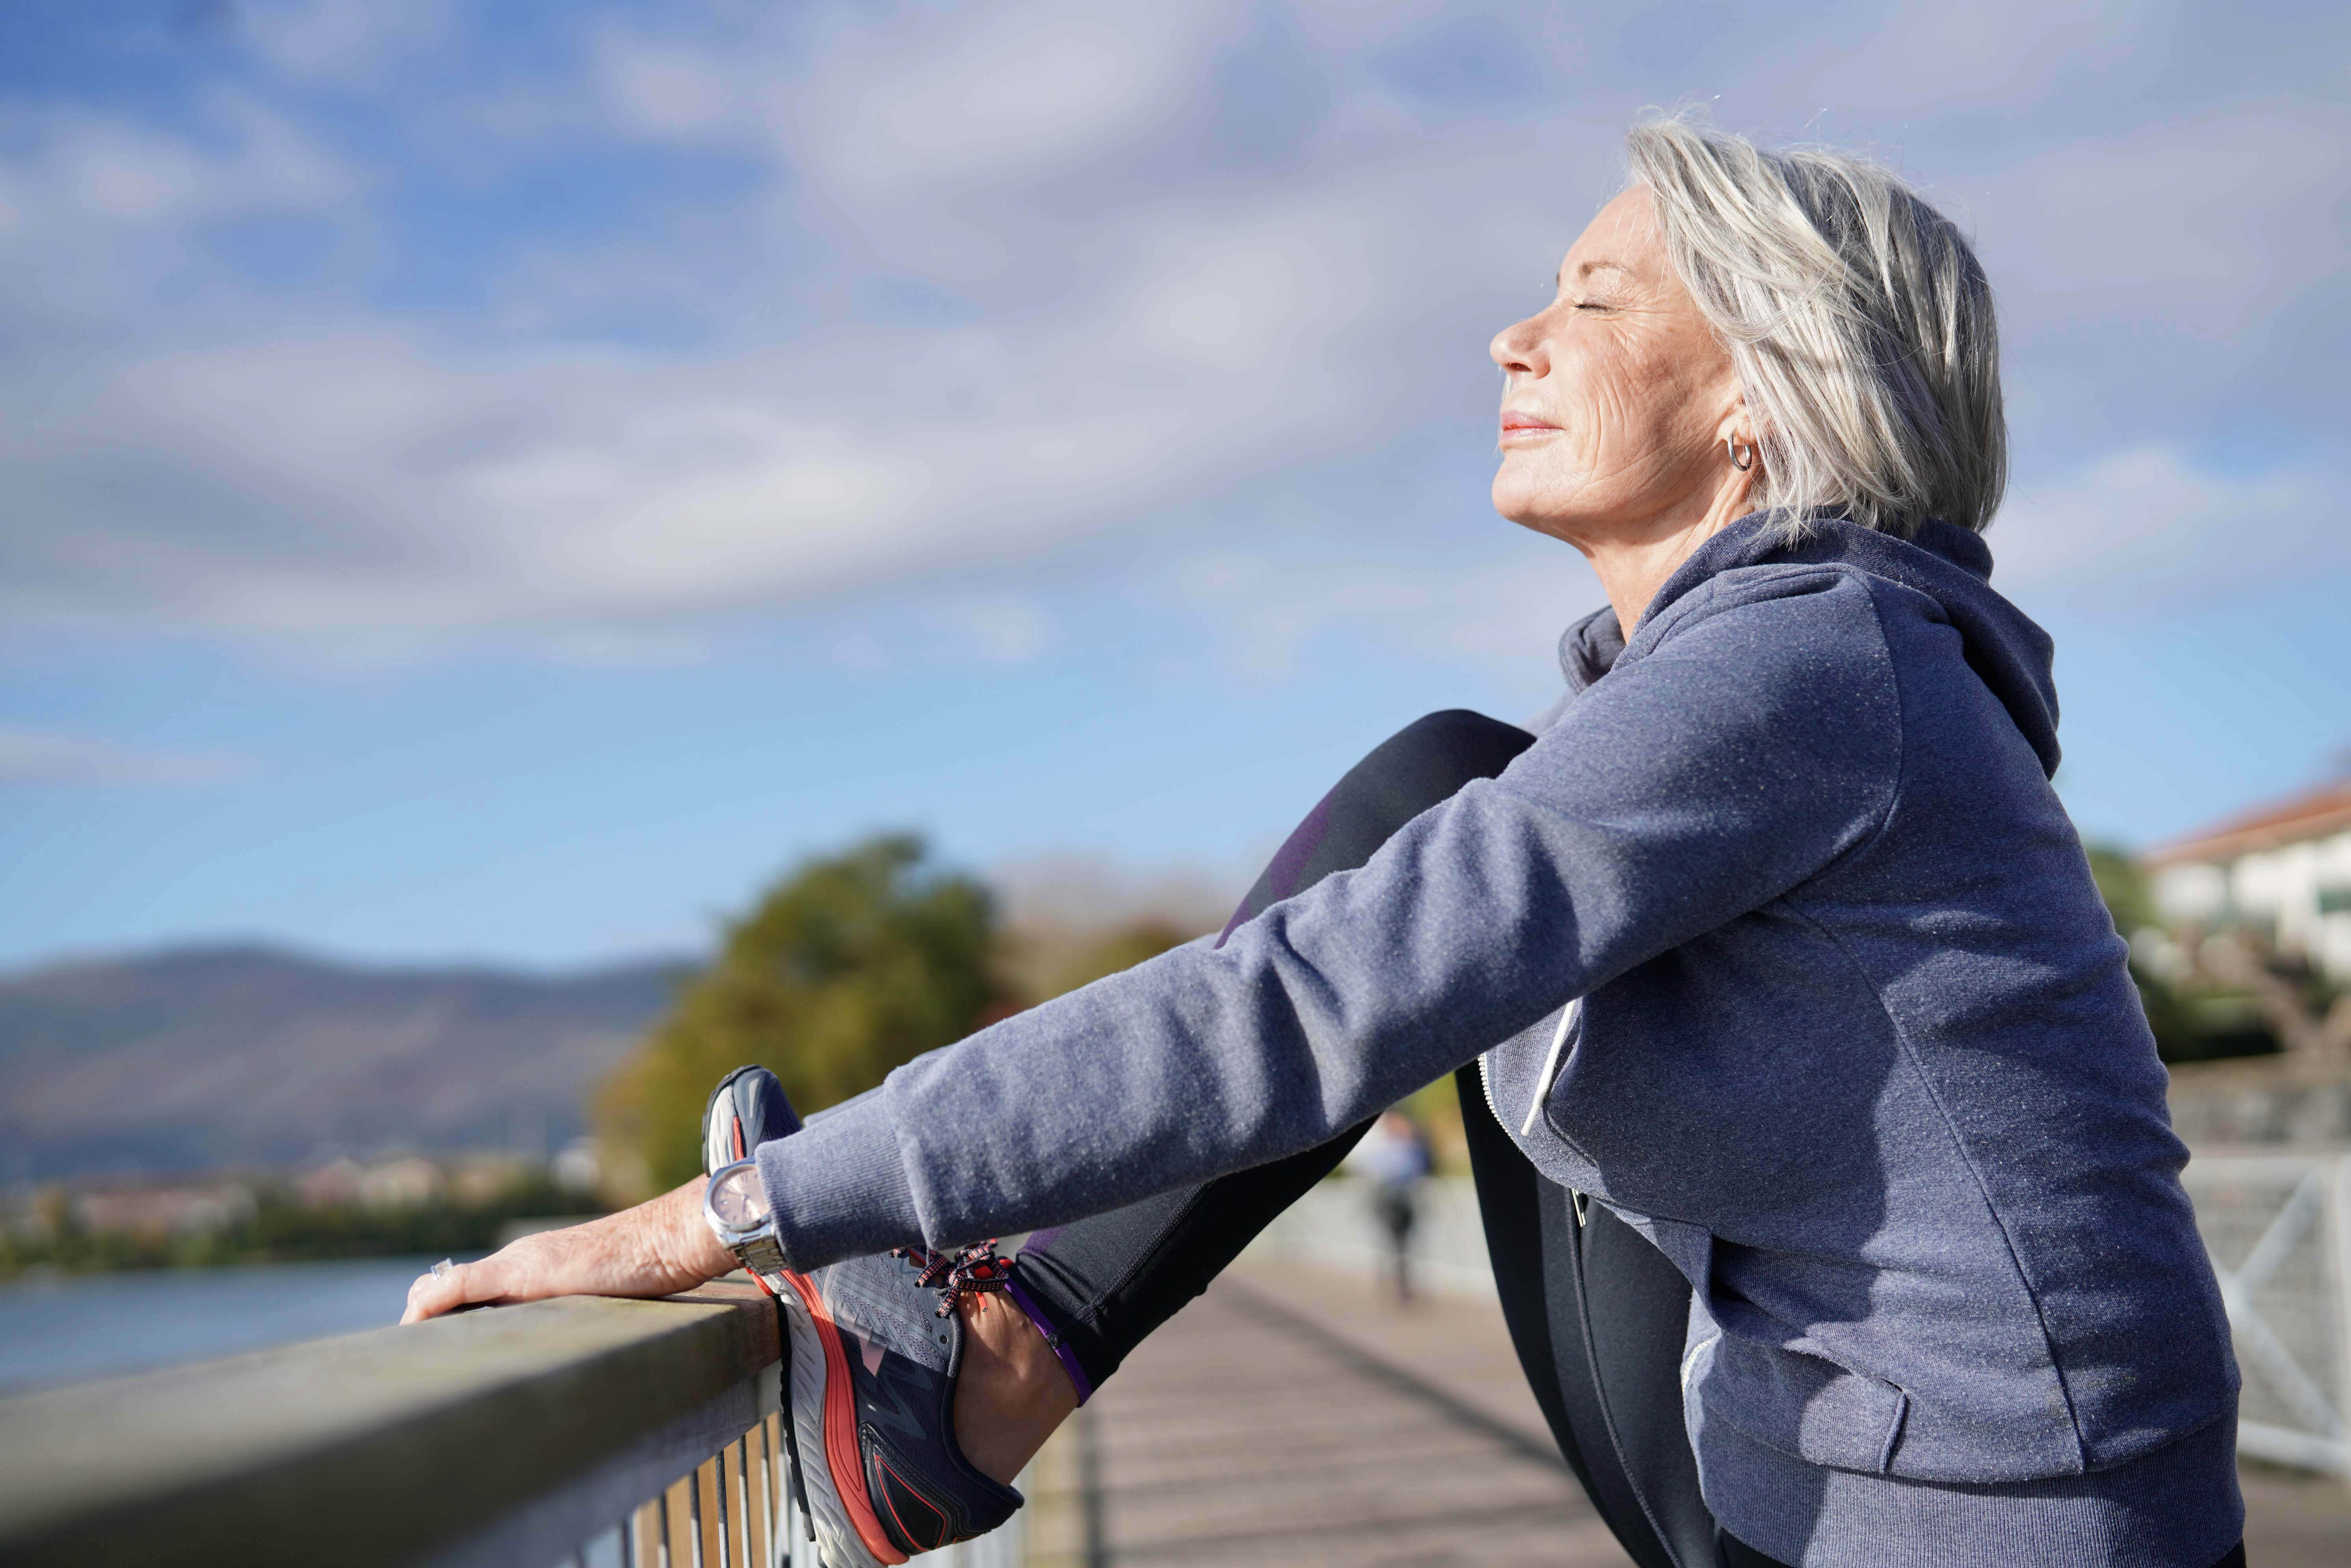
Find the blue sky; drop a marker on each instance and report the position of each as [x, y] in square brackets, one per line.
[504, 481]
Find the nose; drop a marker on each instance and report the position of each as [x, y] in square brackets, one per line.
[1518, 349]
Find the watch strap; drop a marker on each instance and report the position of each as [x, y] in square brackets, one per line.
[762, 1254]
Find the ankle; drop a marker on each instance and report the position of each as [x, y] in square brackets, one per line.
[1011, 1391]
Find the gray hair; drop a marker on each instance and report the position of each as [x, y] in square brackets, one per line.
[1857, 317]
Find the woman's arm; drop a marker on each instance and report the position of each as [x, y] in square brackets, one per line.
[1719, 766]
[657, 1248]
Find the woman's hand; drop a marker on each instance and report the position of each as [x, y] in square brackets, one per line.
[657, 1248]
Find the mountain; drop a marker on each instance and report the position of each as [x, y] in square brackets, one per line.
[234, 1055]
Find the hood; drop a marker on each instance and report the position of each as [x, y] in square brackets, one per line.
[1947, 563]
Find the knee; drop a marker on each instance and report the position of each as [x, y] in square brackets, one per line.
[1451, 746]
[1405, 775]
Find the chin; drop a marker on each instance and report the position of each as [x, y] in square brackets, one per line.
[1533, 488]
[1520, 504]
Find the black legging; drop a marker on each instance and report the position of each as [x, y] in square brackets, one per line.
[1597, 1315]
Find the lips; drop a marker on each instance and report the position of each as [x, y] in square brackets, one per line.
[1514, 421]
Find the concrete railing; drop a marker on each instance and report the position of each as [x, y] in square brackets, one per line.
[606, 1434]
[2278, 1228]
[613, 1434]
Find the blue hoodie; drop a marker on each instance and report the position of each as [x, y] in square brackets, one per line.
[1779, 943]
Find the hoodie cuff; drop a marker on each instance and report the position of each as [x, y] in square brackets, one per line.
[837, 1187]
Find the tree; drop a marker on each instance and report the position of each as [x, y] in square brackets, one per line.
[2124, 887]
[1119, 949]
[850, 966]
[2131, 904]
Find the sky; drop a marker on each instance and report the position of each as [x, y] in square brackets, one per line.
[505, 481]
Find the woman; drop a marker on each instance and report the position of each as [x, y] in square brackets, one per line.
[1820, 1139]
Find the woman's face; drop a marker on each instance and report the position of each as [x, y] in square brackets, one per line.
[1617, 396]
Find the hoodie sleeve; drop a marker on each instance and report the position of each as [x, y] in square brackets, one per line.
[1747, 740]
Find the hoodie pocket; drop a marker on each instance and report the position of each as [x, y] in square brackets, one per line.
[1800, 1404]
[1822, 1412]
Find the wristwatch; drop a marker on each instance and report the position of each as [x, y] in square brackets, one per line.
[736, 1203]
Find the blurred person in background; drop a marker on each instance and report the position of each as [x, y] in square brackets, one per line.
[1819, 1136]
[1394, 1159]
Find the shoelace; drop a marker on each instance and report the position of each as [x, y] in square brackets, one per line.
[972, 1272]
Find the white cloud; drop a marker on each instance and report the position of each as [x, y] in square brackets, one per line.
[2201, 227]
[999, 94]
[34, 757]
[898, 99]
[2004, 52]
[672, 92]
[2146, 529]
[96, 209]
[1009, 631]
[2142, 532]
[332, 485]
[115, 168]
[344, 41]
[1133, 329]
[1507, 610]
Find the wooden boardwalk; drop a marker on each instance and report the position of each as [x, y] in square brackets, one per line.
[1290, 1417]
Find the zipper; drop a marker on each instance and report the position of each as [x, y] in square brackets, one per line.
[1580, 1202]
[1552, 1064]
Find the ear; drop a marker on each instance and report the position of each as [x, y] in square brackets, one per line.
[1735, 436]
[1736, 425]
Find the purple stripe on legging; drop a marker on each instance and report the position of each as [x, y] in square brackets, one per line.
[1044, 1325]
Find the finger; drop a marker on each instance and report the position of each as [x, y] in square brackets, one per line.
[433, 1295]
[423, 1301]
[446, 1290]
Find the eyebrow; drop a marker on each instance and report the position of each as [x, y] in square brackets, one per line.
[1586, 268]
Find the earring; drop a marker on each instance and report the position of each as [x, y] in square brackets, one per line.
[1742, 456]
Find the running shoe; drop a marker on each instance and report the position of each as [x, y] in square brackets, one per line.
[746, 1110]
[875, 1345]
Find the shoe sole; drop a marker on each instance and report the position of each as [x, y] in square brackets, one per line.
[824, 1428]
[725, 1151]
[723, 1142]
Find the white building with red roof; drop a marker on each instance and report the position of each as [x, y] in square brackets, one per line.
[2283, 869]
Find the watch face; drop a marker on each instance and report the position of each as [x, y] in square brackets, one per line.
[737, 1200]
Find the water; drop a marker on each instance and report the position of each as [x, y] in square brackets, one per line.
[101, 1325]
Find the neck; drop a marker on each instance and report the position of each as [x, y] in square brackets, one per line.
[1634, 564]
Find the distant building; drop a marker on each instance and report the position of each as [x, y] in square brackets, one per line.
[331, 1186]
[133, 1209]
[400, 1184]
[579, 1167]
[2283, 870]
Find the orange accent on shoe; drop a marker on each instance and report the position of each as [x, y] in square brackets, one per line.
[841, 1454]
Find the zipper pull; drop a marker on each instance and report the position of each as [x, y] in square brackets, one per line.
[1582, 1206]
[1552, 1063]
